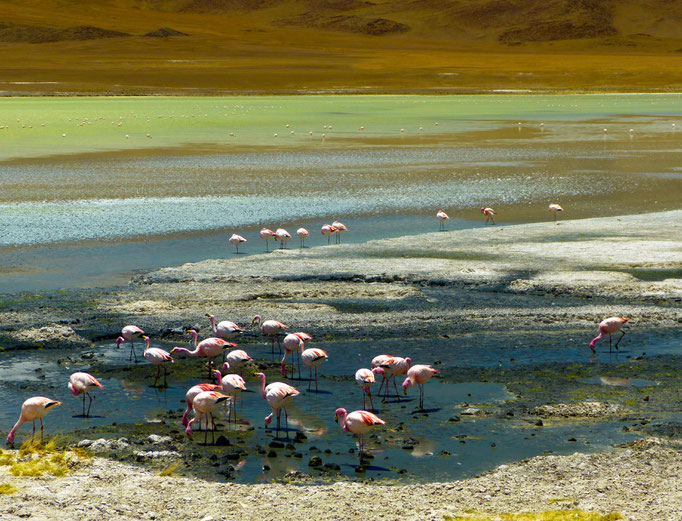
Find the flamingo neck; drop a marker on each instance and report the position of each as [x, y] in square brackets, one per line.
[187, 351]
[20, 422]
[218, 376]
[262, 387]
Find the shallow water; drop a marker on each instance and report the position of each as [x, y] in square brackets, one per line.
[473, 445]
[90, 200]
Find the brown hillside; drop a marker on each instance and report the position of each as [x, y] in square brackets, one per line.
[260, 46]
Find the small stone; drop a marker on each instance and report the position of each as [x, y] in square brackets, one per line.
[315, 461]
[276, 444]
[222, 441]
[272, 454]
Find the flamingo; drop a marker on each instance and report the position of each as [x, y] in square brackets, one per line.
[442, 217]
[392, 366]
[365, 378]
[609, 326]
[279, 396]
[204, 405]
[236, 359]
[554, 208]
[231, 385]
[236, 240]
[327, 230]
[357, 422]
[340, 228]
[266, 234]
[303, 234]
[210, 348]
[292, 343]
[192, 393]
[80, 383]
[271, 328]
[312, 358]
[283, 236]
[418, 375]
[158, 357]
[488, 212]
[31, 410]
[225, 329]
[128, 334]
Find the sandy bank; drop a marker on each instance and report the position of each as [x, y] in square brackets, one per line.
[642, 482]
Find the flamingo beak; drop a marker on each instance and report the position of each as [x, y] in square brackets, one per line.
[336, 417]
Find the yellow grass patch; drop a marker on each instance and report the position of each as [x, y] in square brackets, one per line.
[37, 459]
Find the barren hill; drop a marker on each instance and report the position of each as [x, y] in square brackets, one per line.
[340, 45]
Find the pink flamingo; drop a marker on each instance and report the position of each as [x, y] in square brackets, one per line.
[236, 360]
[282, 236]
[158, 357]
[303, 235]
[236, 240]
[192, 393]
[365, 378]
[279, 396]
[292, 343]
[554, 208]
[340, 228]
[267, 234]
[328, 230]
[392, 366]
[357, 422]
[232, 385]
[225, 328]
[31, 410]
[312, 358]
[81, 383]
[418, 375]
[210, 348]
[488, 212]
[609, 326]
[442, 217]
[204, 405]
[128, 334]
[271, 328]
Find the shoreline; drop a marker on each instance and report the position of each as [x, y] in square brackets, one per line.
[527, 281]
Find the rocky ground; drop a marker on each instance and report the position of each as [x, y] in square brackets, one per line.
[531, 283]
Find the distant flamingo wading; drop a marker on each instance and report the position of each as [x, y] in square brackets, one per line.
[192, 393]
[235, 240]
[225, 329]
[328, 230]
[31, 410]
[128, 334]
[210, 348]
[365, 378]
[81, 383]
[609, 326]
[232, 385]
[554, 208]
[292, 344]
[418, 375]
[340, 228]
[278, 395]
[357, 422]
[266, 234]
[158, 357]
[303, 235]
[392, 367]
[488, 212]
[204, 404]
[442, 217]
[271, 328]
[282, 236]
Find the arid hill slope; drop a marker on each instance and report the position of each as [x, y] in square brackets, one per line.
[201, 46]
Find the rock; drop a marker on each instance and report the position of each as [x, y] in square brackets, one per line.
[315, 461]
[155, 439]
[156, 454]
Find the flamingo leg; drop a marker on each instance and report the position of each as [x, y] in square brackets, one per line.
[364, 398]
[279, 413]
[84, 405]
[369, 393]
[622, 334]
[316, 379]
[165, 383]
[396, 388]
[286, 422]
[132, 352]
[41, 430]
[310, 377]
[421, 396]
[34, 430]
[89, 404]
